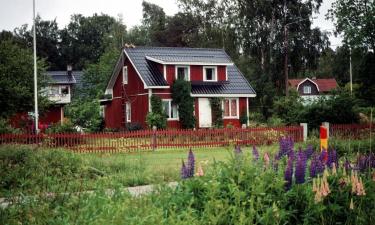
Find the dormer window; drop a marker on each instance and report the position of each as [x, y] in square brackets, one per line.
[307, 89]
[183, 72]
[209, 73]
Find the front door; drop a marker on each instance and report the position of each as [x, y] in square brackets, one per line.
[205, 117]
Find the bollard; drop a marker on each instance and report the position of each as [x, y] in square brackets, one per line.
[304, 125]
[154, 144]
[323, 138]
[326, 125]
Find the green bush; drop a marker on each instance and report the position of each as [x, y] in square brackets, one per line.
[217, 112]
[65, 127]
[181, 91]
[6, 128]
[27, 170]
[157, 115]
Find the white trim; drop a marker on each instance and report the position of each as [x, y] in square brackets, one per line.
[308, 80]
[125, 75]
[61, 115]
[226, 73]
[149, 100]
[165, 72]
[169, 100]
[247, 111]
[230, 108]
[215, 74]
[161, 93]
[224, 95]
[112, 81]
[187, 63]
[157, 87]
[182, 66]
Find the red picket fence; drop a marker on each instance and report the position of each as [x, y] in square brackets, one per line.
[150, 140]
[353, 131]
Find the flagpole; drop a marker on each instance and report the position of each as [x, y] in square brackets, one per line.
[35, 75]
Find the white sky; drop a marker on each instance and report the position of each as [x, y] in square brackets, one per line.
[14, 13]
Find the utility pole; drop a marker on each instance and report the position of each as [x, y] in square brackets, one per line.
[286, 60]
[350, 70]
[35, 76]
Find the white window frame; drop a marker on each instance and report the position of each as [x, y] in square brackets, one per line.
[125, 75]
[230, 108]
[307, 89]
[215, 73]
[128, 112]
[188, 72]
[169, 116]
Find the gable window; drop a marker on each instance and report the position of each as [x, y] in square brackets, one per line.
[307, 89]
[183, 72]
[170, 109]
[230, 107]
[128, 112]
[209, 73]
[125, 75]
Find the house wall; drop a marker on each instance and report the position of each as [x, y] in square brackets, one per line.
[52, 115]
[314, 90]
[242, 109]
[133, 92]
[196, 73]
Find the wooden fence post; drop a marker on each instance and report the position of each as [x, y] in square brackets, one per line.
[154, 138]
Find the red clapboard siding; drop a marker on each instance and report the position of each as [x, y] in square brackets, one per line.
[221, 73]
[113, 114]
[170, 74]
[196, 73]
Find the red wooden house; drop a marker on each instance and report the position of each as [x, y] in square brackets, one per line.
[145, 71]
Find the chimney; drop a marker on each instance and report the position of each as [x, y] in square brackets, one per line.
[69, 69]
[314, 78]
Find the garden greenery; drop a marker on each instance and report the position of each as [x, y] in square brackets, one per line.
[217, 112]
[181, 90]
[157, 115]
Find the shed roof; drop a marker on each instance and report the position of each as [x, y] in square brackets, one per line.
[324, 85]
[62, 77]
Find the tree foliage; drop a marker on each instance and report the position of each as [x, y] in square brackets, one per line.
[181, 90]
[355, 19]
[17, 80]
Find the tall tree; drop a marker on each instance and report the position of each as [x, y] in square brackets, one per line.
[82, 41]
[16, 79]
[47, 41]
[355, 19]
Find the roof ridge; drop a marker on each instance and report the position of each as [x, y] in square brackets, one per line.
[162, 47]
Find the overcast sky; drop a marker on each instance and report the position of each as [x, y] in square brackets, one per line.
[14, 13]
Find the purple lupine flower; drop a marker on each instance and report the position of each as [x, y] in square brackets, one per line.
[191, 163]
[332, 158]
[300, 171]
[361, 163]
[347, 165]
[184, 171]
[323, 156]
[371, 159]
[309, 151]
[316, 166]
[286, 145]
[291, 154]
[237, 150]
[288, 176]
[255, 153]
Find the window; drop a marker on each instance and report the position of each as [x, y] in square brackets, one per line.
[170, 110]
[307, 89]
[230, 108]
[64, 90]
[183, 72]
[125, 75]
[209, 73]
[128, 112]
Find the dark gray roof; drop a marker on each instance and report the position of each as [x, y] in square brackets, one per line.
[236, 84]
[203, 57]
[62, 77]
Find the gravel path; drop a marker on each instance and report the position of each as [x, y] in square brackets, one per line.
[133, 191]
